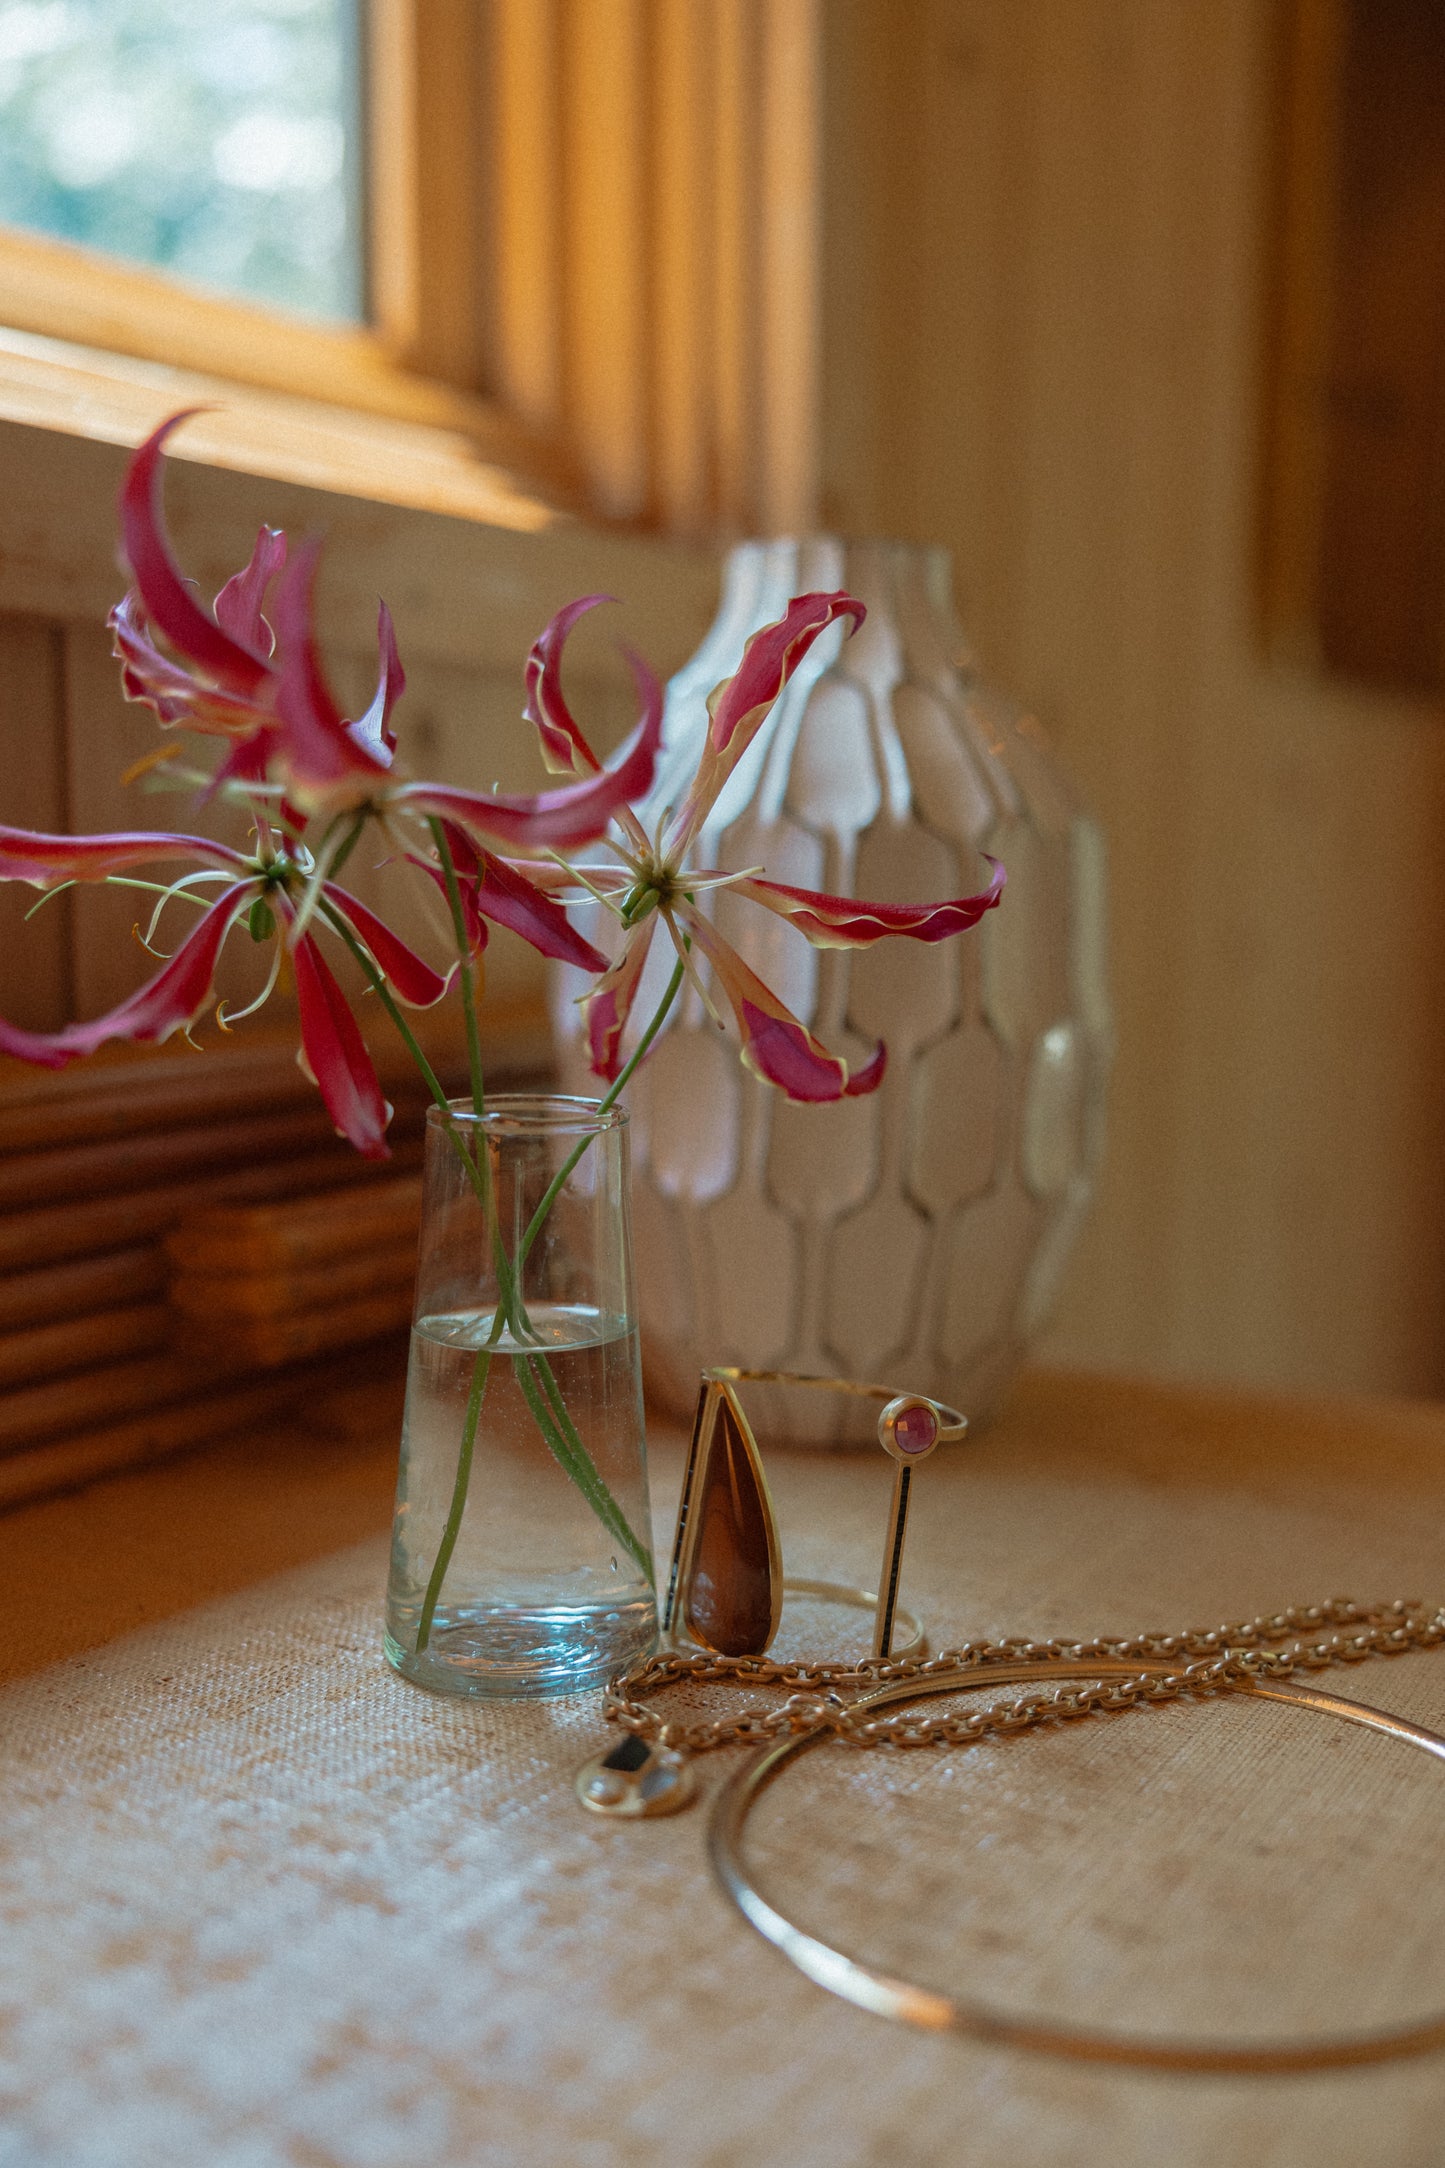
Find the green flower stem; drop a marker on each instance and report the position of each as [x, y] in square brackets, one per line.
[357, 828]
[569, 1449]
[464, 965]
[609, 1100]
[572, 1456]
[481, 1370]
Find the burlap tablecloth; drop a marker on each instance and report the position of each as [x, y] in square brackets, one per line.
[263, 1903]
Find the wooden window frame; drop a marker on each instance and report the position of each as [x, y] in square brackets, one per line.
[596, 266]
[420, 363]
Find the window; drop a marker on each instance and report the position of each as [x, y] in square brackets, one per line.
[592, 250]
[214, 139]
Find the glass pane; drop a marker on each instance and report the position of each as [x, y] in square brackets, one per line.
[216, 139]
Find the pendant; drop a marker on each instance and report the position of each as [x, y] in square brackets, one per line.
[635, 1781]
[727, 1570]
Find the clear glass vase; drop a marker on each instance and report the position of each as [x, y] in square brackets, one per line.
[521, 1558]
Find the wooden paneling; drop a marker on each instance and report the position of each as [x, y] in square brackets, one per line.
[654, 232]
[427, 127]
[606, 388]
[1024, 317]
[1058, 371]
[525, 334]
[34, 956]
[1354, 504]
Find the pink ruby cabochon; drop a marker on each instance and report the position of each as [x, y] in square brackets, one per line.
[915, 1430]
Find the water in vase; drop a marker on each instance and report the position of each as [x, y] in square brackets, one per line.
[545, 1587]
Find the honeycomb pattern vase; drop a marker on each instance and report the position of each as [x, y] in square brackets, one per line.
[917, 1236]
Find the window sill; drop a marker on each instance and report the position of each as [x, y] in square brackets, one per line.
[424, 463]
[418, 511]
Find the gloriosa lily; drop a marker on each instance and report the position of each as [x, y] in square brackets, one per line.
[265, 890]
[290, 754]
[650, 880]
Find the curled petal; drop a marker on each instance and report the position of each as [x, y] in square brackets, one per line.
[45, 860]
[608, 1006]
[509, 898]
[849, 922]
[578, 813]
[775, 1045]
[739, 706]
[410, 976]
[373, 729]
[769, 660]
[333, 1054]
[166, 1003]
[168, 600]
[177, 696]
[325, 762]
[238, 605]
[564, 749]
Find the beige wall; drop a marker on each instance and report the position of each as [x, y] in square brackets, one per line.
[1046, 352]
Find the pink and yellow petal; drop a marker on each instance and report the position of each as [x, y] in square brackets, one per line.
[510, 899]
[608, 1006]
[559, 819]
[410, 977]
[168, 600]
[373, 729]
[334, 1055]
[240, 602]
[564, 749]
[45, 860]
[324, 762]
[556, 876]
[776, 1047]
[167, 1003]
[851, 922]
[177, 697]
[739, 706]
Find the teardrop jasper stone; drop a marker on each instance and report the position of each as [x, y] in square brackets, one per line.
[731, 1603]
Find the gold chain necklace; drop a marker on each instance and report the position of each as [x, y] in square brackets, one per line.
[1207, 1660]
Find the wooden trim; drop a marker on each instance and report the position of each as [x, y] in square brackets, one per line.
[63, 291]
[525, 183]
[606, 249]
[111, 399]
[427, 97]
[596, 237]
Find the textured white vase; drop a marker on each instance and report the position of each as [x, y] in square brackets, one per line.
[918, 1236]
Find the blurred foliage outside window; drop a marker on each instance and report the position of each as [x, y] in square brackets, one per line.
[218, 140]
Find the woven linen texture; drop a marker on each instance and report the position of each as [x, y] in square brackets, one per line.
[266, 1906]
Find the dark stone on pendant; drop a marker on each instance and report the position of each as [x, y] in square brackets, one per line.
[629, 1753]
[730, 1604]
